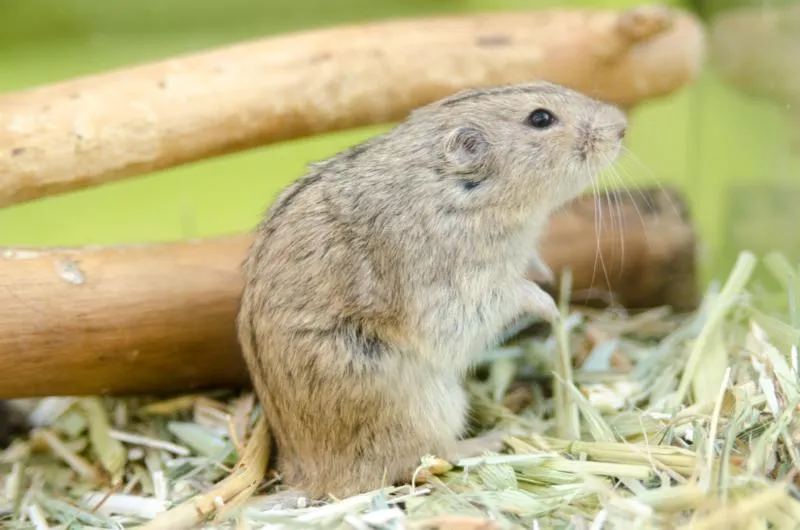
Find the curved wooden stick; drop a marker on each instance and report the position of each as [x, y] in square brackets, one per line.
[160, 318]
[119, 124]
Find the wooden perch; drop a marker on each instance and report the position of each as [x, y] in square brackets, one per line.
[115, 125]
[160, 318]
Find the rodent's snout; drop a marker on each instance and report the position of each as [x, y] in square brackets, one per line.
[612, 121]
[599, 138]
[616, 120]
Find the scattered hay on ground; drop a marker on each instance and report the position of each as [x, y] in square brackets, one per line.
[647, 421]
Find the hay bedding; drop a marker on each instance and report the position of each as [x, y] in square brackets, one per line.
[656, 421]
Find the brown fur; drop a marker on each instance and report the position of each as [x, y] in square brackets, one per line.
[376, 279]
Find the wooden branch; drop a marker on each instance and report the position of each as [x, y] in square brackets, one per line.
[107, 127]
[160, 318]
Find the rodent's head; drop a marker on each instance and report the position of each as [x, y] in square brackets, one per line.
[535, 145]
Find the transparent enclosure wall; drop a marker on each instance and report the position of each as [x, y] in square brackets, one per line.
[743, 171]
[730, 142]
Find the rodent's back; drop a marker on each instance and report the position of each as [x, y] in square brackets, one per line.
[309, 272]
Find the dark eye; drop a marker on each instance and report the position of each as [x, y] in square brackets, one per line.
[541, 119]
[470, 184]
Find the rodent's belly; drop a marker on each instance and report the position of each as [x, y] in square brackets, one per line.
[463, 321]
[438, 403]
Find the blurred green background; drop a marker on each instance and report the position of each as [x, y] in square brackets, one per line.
[704, 139]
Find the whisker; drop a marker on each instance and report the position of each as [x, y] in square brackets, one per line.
[618, 186]
[649, 172]
[613, 195]
[624, 171]
[625, 177]
[612, 227]
[598, 233]
[597, 210]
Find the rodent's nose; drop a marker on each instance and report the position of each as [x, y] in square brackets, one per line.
[622, 132]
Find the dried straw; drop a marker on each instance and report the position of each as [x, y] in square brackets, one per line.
[647, 421]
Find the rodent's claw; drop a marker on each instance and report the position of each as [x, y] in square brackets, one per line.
[538, 302]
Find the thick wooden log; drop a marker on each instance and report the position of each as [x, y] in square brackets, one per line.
[160, 318]
[106, 127]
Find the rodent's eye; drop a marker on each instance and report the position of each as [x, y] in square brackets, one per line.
[541, 119]
[470, 184]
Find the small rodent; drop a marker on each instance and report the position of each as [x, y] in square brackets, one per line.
[376, 279]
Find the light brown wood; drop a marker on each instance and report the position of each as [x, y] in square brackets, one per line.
[160, 318]
[114, 125]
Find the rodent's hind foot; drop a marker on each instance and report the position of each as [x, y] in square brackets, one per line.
[283, 500]
[538, 302]
[338, 476]
[491, 441]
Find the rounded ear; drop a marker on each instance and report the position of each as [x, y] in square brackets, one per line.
[466, 148]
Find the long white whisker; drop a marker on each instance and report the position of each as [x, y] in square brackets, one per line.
[652, 176]
[597, 210]
[609, 192]
[599, 255]
[626, 178]
[618, 186]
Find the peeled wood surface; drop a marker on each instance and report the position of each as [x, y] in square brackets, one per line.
[106, 127]
[160, 318]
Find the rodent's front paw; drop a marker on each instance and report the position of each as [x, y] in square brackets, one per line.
[540, 271]
[536, 301]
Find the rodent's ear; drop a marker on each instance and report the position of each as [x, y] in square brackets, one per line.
[466, 148]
